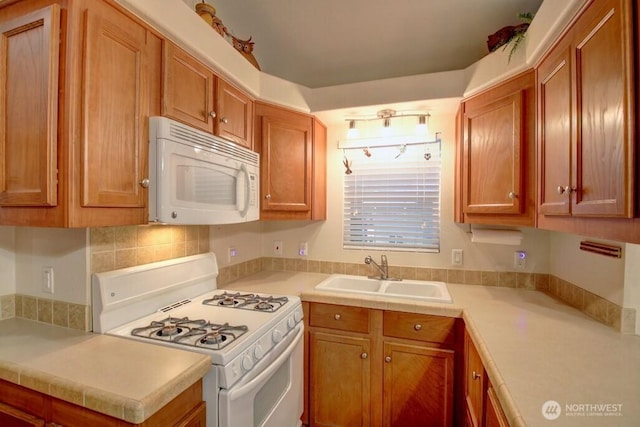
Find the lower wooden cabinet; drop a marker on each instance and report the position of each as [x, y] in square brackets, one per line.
[20, 406]
[482, 408]
[372, 367]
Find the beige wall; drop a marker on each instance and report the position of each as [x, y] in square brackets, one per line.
[604, 276]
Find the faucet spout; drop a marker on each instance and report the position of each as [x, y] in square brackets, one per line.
[383, 268]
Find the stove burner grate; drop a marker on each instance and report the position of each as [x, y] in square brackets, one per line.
[247, 301]
[194, 333]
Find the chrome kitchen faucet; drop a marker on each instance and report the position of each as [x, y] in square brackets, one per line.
[383, 269]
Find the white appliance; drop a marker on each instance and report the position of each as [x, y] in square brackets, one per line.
[197, 178]
[255, 341]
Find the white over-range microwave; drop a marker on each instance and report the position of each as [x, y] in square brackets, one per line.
[198, 178]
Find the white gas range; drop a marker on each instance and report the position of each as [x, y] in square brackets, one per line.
[254, 340]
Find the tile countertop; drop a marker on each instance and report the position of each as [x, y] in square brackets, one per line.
[123, 378]
[535, 348]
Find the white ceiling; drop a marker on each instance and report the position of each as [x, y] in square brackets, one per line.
[324, 43]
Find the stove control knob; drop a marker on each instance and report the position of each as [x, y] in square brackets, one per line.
[277, 336]
[258, 352]
[247, 362]
[297, 316]
[291, 322]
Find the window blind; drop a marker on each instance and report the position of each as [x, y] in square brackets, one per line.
[392, 198]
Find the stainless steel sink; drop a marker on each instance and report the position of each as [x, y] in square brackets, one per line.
[408, 289]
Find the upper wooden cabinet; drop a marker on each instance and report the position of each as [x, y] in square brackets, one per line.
[29, 113]
[193, 94]
[496, 155]
[79, 90]
[586, 142]
[292, 146]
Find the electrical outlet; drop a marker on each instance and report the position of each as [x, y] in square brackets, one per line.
[278, 250]
[303, 249]
[47, 280]
[456, 257]
[233, 252]
[519, 259]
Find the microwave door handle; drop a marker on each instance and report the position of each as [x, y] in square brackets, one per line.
[247, 191]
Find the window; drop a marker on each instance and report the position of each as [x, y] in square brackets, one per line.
[392, 198]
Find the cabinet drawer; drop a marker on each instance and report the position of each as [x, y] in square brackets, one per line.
[420, 327]
[353, 319]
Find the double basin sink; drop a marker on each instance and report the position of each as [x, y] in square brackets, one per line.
[406, 289]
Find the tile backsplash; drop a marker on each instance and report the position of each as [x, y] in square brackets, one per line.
[119, 247]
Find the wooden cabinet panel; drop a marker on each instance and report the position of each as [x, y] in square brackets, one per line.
[339, 317]
[436, 329]
[474, 383]
[29, 111]
[235, 114]
[341, 380]
[185, 410]
[493, 152]
[418, 386]
[586, 140]
[496, 154]
[494, 415]
[12, 417]
[83, 150]
[292, 146]
[114, 111]
[555, 132]
[188, 89]
[369, 367]
[286, 164]
[605, 143]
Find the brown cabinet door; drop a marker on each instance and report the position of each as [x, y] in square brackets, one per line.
[493, 161]
[494, 417]
[235, 114]
[555, 131]
[604, 147]
[188, 89]
[418, 386]
[473, 383]
[29, 51]
[286, 169]
[339, 380]
[115, 108]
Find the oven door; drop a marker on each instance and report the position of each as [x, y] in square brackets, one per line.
[273, 398]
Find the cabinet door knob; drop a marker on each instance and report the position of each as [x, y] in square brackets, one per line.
[212, 114]
[569, 189]
[512, 195]
[337, 317]
[144, 182]
[560, 189]
[268, 196]
[387, 359]
[364, 355]
[475, 375]
[417, 327]
[224, 120]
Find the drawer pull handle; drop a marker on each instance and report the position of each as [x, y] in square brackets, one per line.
[475, 375]
[337, 317]
[364, 355]
[387, 359]
[417, 327]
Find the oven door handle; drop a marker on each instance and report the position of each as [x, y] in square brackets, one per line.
[235, 393]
